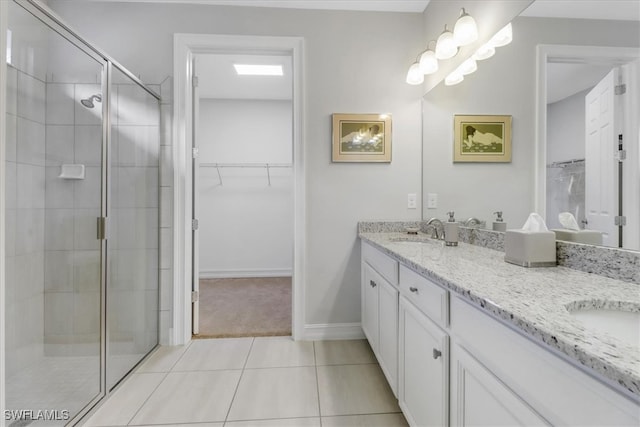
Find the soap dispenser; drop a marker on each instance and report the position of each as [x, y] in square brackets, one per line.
[451, 231]
[499, 224]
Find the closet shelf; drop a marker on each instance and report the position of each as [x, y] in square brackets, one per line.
[267, 166]
[565, 163]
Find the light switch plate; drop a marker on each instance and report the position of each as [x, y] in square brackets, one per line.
[412, 201]
[432, 200]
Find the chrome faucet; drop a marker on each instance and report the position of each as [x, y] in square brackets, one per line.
[472, 222]
[435, 224]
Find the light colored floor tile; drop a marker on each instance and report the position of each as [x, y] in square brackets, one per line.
[289, 422]
[214, 354]
[280, 352]
[123, 404]
[163, 359]
[345, 352]
[276, 393]
[190, 397]
[378, 420]
[354, 389]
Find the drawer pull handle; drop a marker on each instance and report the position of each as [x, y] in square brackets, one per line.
[413, 289]
[372, 283]
[436, 353]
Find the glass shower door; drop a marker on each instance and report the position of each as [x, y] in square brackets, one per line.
[132, 289]
[54, 183]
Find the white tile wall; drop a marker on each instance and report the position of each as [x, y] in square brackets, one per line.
[60, 104]
[12, 90]
[57, 309]
[30, 182]
[59, 229]
[84, 115]
[10, 137]
[136, 107]
[84, 229]
[86, 271]
[60, 143]
[137, 187]
[30, 226]
[137, 228]
[138, 145]
[31, 149]
[58, 191]
[88, 145]
[58, 271]
[31, 98]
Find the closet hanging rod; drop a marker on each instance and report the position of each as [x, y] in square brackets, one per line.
[246, 165]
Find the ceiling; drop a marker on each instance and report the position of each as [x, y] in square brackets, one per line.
[619, 10]
[564, 80]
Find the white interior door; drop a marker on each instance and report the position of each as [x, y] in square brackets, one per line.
[195, 286]
[601, 161]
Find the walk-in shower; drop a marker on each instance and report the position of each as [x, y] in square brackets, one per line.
[81, 220]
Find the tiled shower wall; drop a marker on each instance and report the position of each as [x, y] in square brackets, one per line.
[565, 193]
[25, 218]
[72, 252]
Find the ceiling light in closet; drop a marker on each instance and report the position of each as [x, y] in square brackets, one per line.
[258, 70]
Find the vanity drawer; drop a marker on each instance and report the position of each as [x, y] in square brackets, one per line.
[383, 264]
[430, 298]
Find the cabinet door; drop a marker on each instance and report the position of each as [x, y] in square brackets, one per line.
[478, 398]
[388, 333]
[423, 368]
[370, 286]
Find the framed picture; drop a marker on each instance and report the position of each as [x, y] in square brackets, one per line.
[361, 138]
[482, 139]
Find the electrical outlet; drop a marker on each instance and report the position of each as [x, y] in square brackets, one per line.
[432, 200]
[412, 201]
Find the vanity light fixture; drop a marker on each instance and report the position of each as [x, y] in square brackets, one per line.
[502, 37]
[467, 67]
[454, 78]
[414, 75]
[465, 30]
[428, 61]
[485, 51]
[446, 46]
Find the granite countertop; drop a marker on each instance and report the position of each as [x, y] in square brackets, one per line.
[534, 300]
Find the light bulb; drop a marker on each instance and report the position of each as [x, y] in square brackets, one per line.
[502, 37]
[428, 62]
[454, 78]
[414, 75]
[465, 31]
[467, 67]
[446, 47]
[485, 51]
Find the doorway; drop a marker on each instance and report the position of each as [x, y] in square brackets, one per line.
[186, 48]
[242, 195]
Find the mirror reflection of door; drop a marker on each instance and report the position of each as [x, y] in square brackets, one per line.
[584, 120]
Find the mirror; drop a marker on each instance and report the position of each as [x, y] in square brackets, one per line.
[507, 84]
[587, 174]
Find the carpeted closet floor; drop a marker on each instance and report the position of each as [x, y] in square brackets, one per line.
[248, 307]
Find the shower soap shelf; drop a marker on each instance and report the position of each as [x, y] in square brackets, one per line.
[72, 172]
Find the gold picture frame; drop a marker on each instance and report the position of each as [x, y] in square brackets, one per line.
[361, 138]
[482, 139]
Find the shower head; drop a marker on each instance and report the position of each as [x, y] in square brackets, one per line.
[89, 101]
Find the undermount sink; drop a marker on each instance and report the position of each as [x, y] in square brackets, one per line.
[618, 321]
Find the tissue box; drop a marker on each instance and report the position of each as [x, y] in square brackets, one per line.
[530, 248]
[591, 237]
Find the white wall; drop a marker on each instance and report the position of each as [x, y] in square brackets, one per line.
[503, 84]
[566, 128]
[246, 225]
[355, 62]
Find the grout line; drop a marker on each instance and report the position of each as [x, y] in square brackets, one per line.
[235, 392]
[315, 362]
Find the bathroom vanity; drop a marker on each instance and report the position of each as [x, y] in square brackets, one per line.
[464, 338]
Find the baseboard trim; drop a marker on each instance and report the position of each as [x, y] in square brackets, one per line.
[332, 331]
[271, 272]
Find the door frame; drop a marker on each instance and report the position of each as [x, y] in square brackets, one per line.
[185, 46]
[616, 56]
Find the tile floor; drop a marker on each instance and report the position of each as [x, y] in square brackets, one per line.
[255, 382]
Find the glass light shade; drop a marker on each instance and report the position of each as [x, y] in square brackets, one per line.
[465, 31]
[414, 75]
[454, 78]
[446, 47]
[485, 51]
[428, 62]
[502, 37]
[467, 67]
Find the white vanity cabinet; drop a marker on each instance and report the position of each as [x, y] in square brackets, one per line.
[501, 377]
[380, 309]
[423, 389]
